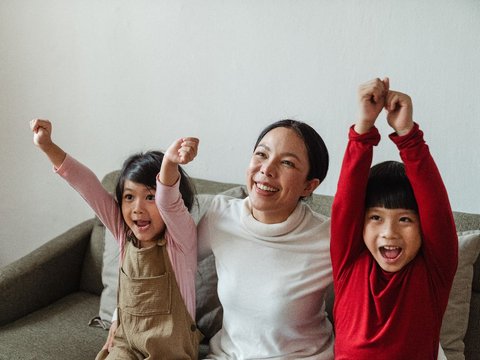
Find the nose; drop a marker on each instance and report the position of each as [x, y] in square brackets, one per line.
[388, 230]
[267, 168]
[138, 207]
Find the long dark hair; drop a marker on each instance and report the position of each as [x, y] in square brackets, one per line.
[388, 186]
[316, 149]
[143, 168]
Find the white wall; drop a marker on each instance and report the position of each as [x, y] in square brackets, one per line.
[118, 76]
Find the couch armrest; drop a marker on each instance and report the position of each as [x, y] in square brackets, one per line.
[45, 275]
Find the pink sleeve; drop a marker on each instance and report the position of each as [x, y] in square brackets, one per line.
[85, 182]
[181, 237]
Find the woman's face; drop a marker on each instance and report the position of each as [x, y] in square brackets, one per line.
[277, 175]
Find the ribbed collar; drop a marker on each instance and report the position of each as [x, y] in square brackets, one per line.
[271, 232]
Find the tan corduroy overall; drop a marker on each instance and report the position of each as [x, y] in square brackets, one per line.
[154, 322]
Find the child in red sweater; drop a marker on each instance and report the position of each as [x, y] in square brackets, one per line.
[393, 241]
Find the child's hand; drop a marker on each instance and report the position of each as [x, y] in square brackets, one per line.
[183, 150]
[399, 112]
[42, 138]
[371, 98]
[42, 132]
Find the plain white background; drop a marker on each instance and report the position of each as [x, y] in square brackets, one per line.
[117, 77]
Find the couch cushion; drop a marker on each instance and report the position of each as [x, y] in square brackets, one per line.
[209, 310]
[455, 320]
[60, 328]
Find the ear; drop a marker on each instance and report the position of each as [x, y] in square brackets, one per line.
[310, 186]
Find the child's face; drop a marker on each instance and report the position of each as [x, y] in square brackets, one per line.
[393, 236]
[141, 213]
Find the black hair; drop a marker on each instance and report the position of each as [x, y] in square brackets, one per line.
[388, 186]
[143, 168]
[316, 149]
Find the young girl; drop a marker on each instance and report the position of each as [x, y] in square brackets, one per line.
[393, 239]
[157, 239]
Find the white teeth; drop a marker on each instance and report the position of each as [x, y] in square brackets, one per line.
[265, 187]
[390, 247]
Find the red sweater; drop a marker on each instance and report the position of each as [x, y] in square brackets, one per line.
[380, 315]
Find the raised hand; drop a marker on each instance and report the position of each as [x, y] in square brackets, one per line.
[372, 99]
[399, 112]
[181, 152]
[42, 132]
[42, 138]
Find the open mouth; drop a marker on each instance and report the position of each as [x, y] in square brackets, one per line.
[390, 252]
[142, 224]
[264, 187]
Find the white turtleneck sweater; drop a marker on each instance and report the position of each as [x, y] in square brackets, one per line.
[272, 280]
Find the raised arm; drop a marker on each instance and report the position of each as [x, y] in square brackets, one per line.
[81, 178]
[349, 203]
[439, 239]
[180, 224]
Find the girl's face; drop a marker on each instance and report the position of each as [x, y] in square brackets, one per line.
[277, 175]
[393, 236]
[141, 213]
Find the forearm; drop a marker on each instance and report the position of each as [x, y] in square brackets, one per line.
[349, 202]
[179, 222]
[169, 173]
[55, 154]
[86, 183]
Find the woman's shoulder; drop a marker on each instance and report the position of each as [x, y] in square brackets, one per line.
[315, 216]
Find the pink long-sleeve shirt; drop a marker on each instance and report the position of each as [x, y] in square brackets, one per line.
[180, 233]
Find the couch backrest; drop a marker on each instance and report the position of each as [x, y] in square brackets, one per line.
[92, 267]
[91, 279]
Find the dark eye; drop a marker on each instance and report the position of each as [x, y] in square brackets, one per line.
[260, 154]
[150, 197]
[405, 219]
[374, 217]
[288, 163]
[128, 197]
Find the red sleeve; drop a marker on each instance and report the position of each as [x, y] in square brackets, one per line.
[439, 238]
[349, 203]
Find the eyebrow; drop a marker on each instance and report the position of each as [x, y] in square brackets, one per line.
[266, 147]
[149, 189]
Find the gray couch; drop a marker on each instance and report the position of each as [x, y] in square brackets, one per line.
[48, 297]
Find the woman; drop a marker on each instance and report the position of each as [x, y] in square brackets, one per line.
[272, 252]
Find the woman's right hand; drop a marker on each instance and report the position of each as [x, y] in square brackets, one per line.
[111, 335]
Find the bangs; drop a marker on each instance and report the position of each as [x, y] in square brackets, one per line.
[389, 187]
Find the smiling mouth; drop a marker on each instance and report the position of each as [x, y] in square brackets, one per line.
[142, 224]
[390, 252]
[265, 187]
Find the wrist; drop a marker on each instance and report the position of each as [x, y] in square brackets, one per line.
[361, 128]
[404, 131]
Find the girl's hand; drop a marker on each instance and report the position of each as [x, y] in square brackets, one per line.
[111, 335]
[371, 98]
[182, 151]
[42, 138]
[399, 112]
[42, 132]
